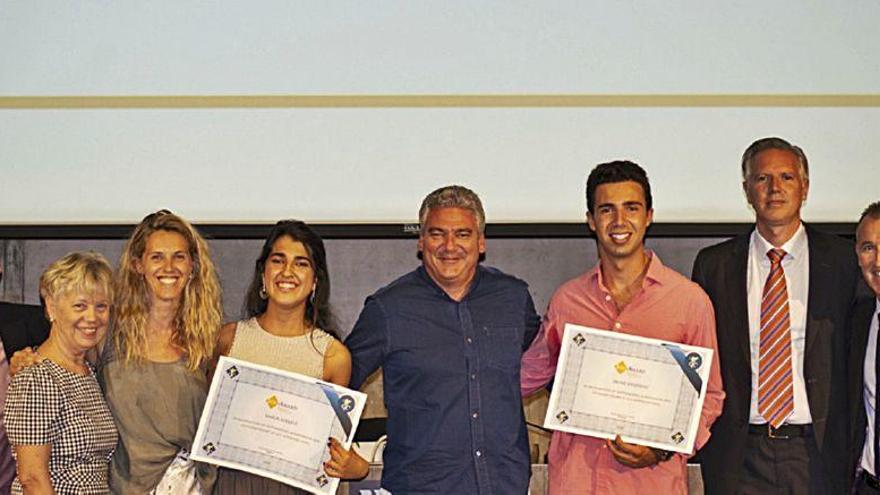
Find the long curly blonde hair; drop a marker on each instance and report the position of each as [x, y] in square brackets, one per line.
[200, 313]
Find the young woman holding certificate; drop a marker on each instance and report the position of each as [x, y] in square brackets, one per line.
[289, 327]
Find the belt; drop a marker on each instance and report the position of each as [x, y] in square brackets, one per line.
[871, 480]
[783, 432]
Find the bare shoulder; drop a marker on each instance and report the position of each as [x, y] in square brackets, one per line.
[337, 364]
[337, 350]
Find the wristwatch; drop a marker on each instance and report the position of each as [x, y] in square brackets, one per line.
[662, 455]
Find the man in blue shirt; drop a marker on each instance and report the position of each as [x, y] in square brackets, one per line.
[449, 336]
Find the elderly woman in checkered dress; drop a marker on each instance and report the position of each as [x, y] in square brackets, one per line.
[56, 418]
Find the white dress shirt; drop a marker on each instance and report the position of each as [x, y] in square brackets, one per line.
[796, 265]
[870, 394]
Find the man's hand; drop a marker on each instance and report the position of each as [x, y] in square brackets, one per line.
[632, 455]
[22, 359]
[345, 464]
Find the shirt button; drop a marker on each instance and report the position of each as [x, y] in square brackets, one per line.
[478, 453]
[475, 415]
[617, 325]
[469, 341]
[473, 376]
[607, 297]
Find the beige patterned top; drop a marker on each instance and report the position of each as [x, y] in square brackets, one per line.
[303, 354]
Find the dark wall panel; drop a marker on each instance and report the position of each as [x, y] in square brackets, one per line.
[357, 266]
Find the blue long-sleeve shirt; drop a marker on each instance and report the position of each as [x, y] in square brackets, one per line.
[451, 378]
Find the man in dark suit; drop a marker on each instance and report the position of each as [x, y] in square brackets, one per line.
[864, 361]
[781, 294]
[21, 325]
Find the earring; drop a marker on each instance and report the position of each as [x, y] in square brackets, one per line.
[314, 321]
[263, 294]
[312, 298]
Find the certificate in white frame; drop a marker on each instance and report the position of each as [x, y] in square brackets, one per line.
[275, 423]
[648, 391]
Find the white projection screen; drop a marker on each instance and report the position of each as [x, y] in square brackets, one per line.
[350, 112]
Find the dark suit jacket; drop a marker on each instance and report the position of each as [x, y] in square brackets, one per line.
[22, 325]
[860, 325]
[721, 271]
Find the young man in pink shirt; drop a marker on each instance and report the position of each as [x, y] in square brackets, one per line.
[628, 291]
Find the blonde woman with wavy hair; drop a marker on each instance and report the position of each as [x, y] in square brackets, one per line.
[168, 314]
[197, 313]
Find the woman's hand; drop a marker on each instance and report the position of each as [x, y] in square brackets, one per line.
[22, 359]
[345, 464]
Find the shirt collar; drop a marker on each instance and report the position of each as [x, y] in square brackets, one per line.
[655, 268]
[653, 275]
[423, 273]
[794, 248]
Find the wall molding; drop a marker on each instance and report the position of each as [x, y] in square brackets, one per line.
[437, 101]
[397, 230]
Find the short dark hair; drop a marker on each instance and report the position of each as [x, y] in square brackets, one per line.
[774, 143]
[617, 171]
[318, 310]
[873, 211]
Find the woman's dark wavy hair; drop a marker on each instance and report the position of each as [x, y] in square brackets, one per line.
[318, 312]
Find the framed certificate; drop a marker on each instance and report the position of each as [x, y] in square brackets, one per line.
[648, 391]
[276, 424]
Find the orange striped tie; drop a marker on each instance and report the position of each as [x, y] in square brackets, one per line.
[775, 393]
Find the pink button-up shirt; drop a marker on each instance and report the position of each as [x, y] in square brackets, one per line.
[669, 307]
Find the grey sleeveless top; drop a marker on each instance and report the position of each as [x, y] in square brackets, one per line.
[157, 408]
[303, 354]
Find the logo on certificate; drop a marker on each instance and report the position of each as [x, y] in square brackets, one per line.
[272, 401]
[562, 417]
[678, 437]
[694, 361]
[322, 480]
[209, 448]
[620, 367]
[232, 371]
[346, 403]
[579, 339]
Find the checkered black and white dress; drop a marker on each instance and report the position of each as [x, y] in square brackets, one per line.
[47, 404]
